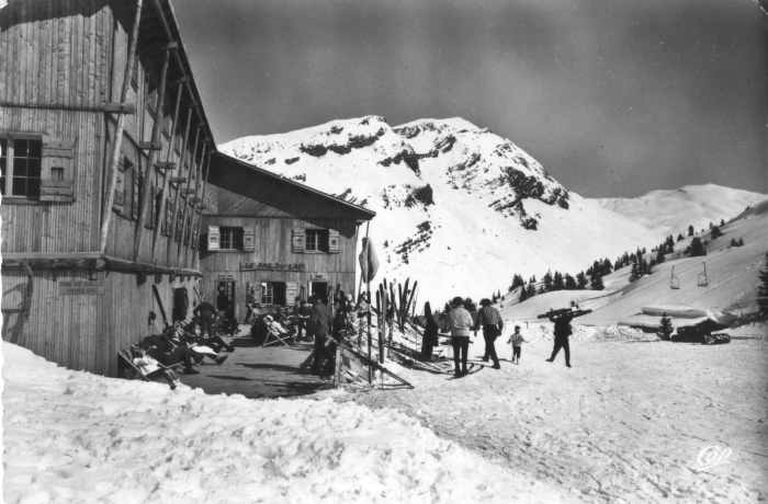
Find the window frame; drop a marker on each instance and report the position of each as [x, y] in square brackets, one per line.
[319, 240]
[232, 236]
[9, 155]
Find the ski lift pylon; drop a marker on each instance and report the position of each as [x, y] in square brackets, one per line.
[703, 279]
[674, 280]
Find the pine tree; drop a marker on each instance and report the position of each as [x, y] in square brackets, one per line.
[715, 232]
[581, 280]
[680, 237]
[690, 230]
[570, 283]
[697, 248]
[665, 327]
[547, 282]
[597, 282]
[762, 290]
[557, 281]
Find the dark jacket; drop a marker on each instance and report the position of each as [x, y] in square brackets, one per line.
[489, 316]
[319, 320]
[563, 325]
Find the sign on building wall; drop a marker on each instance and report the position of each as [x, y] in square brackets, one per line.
[262, 266]
[81, 287]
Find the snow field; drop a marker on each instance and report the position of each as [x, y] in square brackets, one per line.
[634, 420]
[75, 437]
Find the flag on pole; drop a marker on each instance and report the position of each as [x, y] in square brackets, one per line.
[369, 263]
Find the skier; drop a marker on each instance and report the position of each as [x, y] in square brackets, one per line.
[517, 341]
[562, 320]
[489, 319]
[461, 324]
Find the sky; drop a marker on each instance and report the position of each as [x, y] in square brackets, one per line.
[614, 98]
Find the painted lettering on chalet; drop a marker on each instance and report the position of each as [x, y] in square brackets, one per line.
[81, 288]
[263, 266]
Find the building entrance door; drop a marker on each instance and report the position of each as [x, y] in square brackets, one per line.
[319, 289]
[225, 298]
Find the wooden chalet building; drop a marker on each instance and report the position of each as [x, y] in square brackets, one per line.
[105, 149]
[272, 240]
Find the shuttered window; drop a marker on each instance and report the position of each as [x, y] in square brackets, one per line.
[316, 240]
[20, 167]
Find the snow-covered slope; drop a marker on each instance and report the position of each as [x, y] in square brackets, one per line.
[732, 279]
[458, 208]
[672, 211]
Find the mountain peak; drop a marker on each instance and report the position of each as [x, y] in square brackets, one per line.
[454, 201]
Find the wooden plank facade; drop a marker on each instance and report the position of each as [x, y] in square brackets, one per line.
[82, 262]
[271, 240]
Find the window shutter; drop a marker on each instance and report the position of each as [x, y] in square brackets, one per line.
[334, 241]
[249, 239]
[213, 238]
[298, 240]
[57, 177]
[138, 183]
[291, 293]
[119, 192]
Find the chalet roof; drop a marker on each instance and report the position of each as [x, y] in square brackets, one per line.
[170, 23]
[278, 191]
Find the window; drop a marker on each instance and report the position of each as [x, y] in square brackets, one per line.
[20, 161]
[316, 239]
[273, 293]
[231, 238]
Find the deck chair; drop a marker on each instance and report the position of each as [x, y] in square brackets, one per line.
[276, 333]
[135, 364]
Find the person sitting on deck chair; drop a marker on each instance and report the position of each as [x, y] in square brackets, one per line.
[193, 342]
[163, 349]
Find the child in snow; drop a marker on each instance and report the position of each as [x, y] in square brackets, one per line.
[517, 341]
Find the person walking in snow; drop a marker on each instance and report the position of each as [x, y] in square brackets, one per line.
[319, 326]
[517, 342]
[429, 340]
[562, 321]
[489, 319]
[461, 324]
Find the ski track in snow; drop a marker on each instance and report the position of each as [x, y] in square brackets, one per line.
[626, 424]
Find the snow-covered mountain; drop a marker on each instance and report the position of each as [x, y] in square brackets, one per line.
[459, 208]
[672, 211]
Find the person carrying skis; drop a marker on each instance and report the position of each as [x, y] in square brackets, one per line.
[562, 321]
[489, 319]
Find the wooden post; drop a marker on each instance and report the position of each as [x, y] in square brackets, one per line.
[193, 163]
[202, 197]
[198, 170]
[172, 230]
[198, 213]
[167, 175]
[370, 305]
[119, 129]
[146, 193]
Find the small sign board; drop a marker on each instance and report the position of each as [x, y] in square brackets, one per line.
[81, 287]
[262, 266]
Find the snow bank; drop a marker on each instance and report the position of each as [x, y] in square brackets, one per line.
[75, 437]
